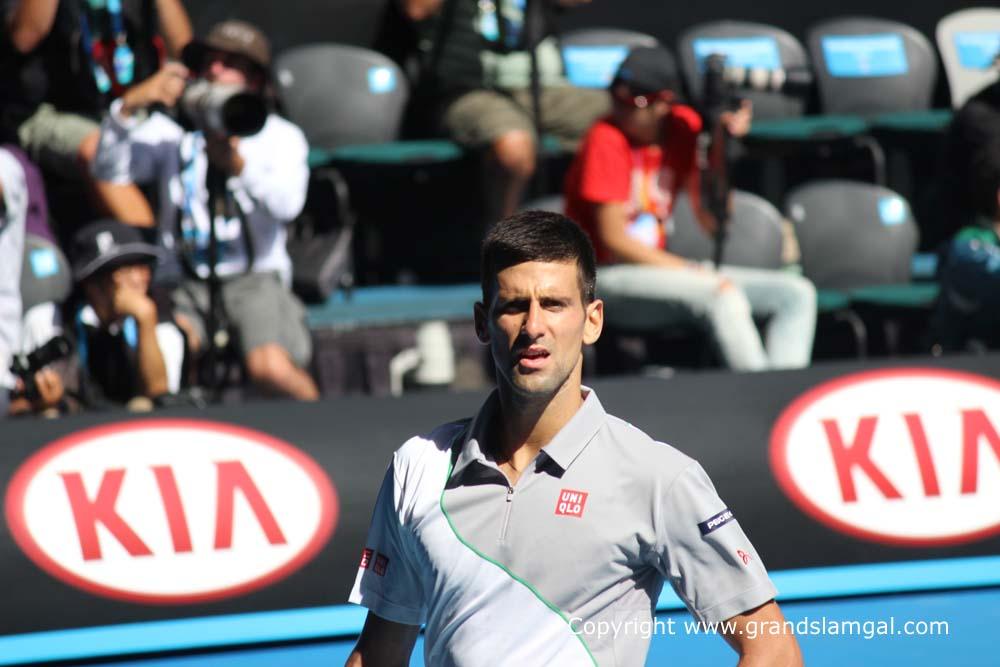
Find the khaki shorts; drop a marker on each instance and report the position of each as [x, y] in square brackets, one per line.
[476, 119]
[52, 139]
[260, 310]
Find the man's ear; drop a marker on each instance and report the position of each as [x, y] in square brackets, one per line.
[481, 318]
[595, 322]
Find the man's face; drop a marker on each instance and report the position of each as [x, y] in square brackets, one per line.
[231, 69]
[101, 290]
[640, 117]
[536, 327]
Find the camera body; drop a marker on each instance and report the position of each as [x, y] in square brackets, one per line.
[223, 109]
[24, 366]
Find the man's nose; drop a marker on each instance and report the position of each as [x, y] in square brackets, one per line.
[534, 323]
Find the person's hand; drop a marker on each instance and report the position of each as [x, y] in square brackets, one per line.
[50, 389]
[223, 153]
[44, 401]
[132, 302]
[165, 87]
[737, 123]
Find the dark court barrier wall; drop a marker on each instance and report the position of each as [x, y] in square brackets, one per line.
[115, 519]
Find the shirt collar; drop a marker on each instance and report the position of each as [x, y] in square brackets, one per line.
[563, 449]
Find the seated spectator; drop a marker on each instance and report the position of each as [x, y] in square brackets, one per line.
[265, 178]
[968, 308]
[46, 390]
[128, 340]
[61, 62]
[475, 88]
[621, 189]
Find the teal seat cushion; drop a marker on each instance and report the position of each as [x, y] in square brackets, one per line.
[393, 152]
[808, 128]
[911, 295]
[393, 305]
[415, 151]
[830, 300]
[931, 121]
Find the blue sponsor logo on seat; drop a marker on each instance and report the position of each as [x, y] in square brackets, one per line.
[381, 80]
[44, 262]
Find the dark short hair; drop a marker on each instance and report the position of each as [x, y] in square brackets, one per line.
[537, 236]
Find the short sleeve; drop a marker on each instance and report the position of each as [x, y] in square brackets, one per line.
[605, 166]
[705, 554]
[388, 582]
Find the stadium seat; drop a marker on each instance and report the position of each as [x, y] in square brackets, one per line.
[350, 101]
[45, 273]
[745, 45]
[869, 66]
[969, 43]
[857, 242]
[780, 130]
[754, 237]
[591, 56]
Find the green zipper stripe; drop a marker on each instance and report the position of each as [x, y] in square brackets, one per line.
[513, 576]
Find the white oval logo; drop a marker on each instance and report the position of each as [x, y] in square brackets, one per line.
[170, 511]
[905, 456]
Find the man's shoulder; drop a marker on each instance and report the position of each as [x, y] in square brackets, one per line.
[279, 127]
[977, 233]
[430, 449]
[603, 131]
[645, 455]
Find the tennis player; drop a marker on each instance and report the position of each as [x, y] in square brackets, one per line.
[540, 532]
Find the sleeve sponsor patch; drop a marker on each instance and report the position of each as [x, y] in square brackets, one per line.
[715, 522]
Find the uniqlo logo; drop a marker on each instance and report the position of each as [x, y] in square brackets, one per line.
[381, 564]
[366, 558]
[571, 503]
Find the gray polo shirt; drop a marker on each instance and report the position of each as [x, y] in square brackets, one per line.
[525, 575]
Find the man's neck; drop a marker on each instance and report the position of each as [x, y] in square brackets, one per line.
[524, 426]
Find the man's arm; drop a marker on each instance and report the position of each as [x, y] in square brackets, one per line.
[383, 644]
[275, 174]
[612, 221]
[761, 639]
[29, 22]
[152, 369]
[175, 26]
[132, 150]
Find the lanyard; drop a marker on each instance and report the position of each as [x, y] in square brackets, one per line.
[122, 58]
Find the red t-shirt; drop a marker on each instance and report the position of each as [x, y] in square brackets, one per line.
[645, 178]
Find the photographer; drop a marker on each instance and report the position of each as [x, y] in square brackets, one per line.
[621, 189]
[129, 344]
[264, 176]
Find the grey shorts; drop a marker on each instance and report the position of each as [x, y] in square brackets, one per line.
[260, 310]
[52, 139]
[478, 118]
